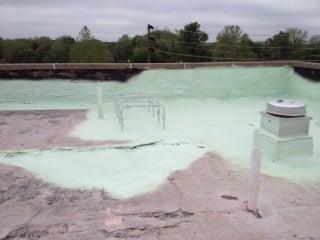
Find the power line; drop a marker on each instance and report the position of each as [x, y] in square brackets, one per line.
[181, 42]
[190, 55]
[270, 47]
[224, 58]
[205, 48]
[198, 46]
[243, 46]
[239, 46]
[255, 35]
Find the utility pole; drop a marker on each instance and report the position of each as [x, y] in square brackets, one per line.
[149, 27]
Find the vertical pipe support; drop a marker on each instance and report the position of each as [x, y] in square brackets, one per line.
[121, 120]
[254, 181]
[100, 102]
[164, 118]
[158, 113]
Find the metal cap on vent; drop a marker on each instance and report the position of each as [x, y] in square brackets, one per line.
[284, 107]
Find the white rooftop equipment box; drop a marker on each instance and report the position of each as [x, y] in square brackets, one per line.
[284, 130]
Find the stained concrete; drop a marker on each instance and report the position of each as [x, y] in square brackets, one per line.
[201, 109]
[188, 203]
[187, 206]
[39, 129]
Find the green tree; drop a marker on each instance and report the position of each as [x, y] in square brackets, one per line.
[19, 51]
[192, 41]
[42, 46]
[138, 41]
[232, 43]
[314, 42]
[34, 50]
[90, 51]
[139, 52]
[277, 47]
[287, 44]
[246, 51]
[1, 49]
[123, 49]
[166, 40]
[85, 34]
[298, 40]
[297, 37]
[258, 49]
[60, 49]
[139, 55]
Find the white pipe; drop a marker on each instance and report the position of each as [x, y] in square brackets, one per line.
[121, 120]
[164, 118]
[100, 102]
[254, 180]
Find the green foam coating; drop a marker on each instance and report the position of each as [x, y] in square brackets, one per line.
[215, 107]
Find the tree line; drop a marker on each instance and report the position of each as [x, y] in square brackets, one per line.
[189, 44]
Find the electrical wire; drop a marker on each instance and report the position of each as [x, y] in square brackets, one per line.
[255, 35]
[224, 58]
[190, 55]
[244, 46]
[268, 47]
[205, 48]
[181, 42]
[205, 45]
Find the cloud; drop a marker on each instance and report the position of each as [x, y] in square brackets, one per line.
[109, 19]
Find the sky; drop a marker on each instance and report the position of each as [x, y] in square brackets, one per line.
[109, 19]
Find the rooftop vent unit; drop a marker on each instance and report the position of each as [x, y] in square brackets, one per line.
[284, 130]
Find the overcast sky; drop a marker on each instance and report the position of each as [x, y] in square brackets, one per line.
[109, 19]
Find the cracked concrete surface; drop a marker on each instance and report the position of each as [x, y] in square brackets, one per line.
[188, 206]
[42, 129]
[204, 201]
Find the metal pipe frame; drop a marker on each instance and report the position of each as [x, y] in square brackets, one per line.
[127, 97]
[138, 100]
[122, 101]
